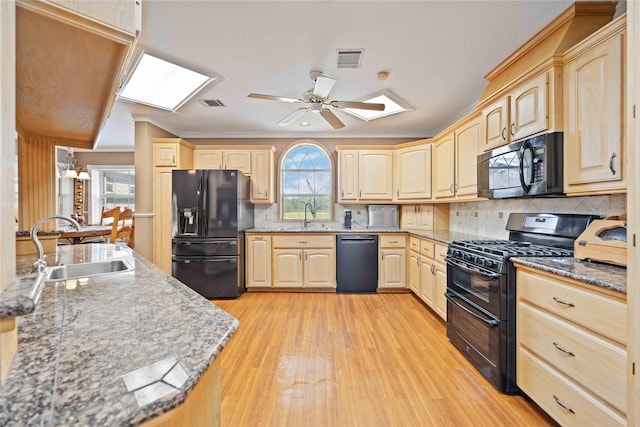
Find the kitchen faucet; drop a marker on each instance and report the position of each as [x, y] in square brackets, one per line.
[306, 221]
[40, 264]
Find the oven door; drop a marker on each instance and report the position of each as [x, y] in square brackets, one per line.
[482, 287]
[478, 336]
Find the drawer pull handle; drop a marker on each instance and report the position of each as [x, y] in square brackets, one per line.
[556, 345]
[304, 242]
[562, 405]
[559, 301]
[393, 241]
[504, 137]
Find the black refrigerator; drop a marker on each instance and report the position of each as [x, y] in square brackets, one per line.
[211, 210]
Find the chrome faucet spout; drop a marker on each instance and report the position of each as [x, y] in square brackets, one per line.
[40, 264]
[306, 222]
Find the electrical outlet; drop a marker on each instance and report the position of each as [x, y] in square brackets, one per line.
[457, 213]
[475, 214]
[358, 212]
[500, 215]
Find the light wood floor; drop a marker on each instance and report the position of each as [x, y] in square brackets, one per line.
[353, 360]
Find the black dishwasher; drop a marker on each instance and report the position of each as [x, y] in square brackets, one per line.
[357, 263]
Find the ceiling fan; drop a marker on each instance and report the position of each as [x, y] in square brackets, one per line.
[315, 100]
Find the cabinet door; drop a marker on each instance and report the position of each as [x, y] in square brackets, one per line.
[427, 281]
[319, 268]
[443, 166]
[258, 261]
[262, 180]
[237, 159]
[287, 268]
[440, 277]
[208, 158]
[408, 216]
[494, 125]
[529, 109]
[594, 118]
[413, 173]
[165, 154]
[426, 217]
[393, 268]
[466, 152]
[162, 219]
[375, 175]
[414, 272]
[348, 171]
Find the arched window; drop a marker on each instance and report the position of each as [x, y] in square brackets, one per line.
[306, 178]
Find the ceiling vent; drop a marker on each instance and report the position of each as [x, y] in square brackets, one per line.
[349, 58]
[211, 102]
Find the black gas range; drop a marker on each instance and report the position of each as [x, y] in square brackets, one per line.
[481, 288]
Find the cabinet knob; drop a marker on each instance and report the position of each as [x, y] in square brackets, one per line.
[613, 171]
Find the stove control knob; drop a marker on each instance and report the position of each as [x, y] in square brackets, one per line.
[488, 263]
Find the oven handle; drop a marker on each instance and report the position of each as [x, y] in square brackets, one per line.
[470, 270]
[491, 322]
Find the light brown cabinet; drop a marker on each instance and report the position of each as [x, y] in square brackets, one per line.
[168, 154]
[428, 273]
[262, 175]
[365, 175]
[217, 158]
[425, 217]
[594, 148]
[524, 111]
[571, 348]
[412, 172]
[258, 261]
[392, 269]
[304, 261]
[455, 160]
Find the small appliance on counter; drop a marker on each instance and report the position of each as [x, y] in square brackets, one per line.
[604, 240]
[383, 216]
[347, 218]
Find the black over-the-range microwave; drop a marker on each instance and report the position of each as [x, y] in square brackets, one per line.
[527, 168]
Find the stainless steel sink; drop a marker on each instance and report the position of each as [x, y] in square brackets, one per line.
[77, 271]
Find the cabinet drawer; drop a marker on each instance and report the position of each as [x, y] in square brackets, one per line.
[550, 390]
[303, 241]
[414, 244]
[441, 252]
[597, 312]
[427, 249]
[393, 241]
[593, 362]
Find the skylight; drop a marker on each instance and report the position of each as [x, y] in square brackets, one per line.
[161, 84]
[393, 104]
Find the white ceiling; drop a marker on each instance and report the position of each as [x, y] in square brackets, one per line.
[436, 52]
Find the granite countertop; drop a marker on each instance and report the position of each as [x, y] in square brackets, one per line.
[604, 275]
[86, 352]
[443, 236]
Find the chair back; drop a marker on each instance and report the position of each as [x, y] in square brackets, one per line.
[123, 228]
[110, 216]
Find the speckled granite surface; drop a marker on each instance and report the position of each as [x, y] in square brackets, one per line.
[444, 236]
[605, 275]
[74, 349]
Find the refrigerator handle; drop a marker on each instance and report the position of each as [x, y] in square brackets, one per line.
[204, 193]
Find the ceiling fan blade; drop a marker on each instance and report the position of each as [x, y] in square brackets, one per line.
[275, 98]
[331, 118]
[358, 105]
[323, 86]
[292, 117]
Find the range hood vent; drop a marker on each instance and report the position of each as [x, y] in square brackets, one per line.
[349, 58]
[211, 102]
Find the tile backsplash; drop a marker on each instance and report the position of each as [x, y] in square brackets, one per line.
[267, 216]
[489, 218]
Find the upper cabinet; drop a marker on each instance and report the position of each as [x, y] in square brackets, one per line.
[412, 172]
[70, 61]
[594, 78]
[262, 175]
[217, 158]
[365, 175]
[455, 160]
[521, 113]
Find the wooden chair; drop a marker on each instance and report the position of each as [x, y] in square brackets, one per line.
[107, 217]
[123, 228]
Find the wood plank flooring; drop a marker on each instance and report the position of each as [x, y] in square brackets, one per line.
[304, 359]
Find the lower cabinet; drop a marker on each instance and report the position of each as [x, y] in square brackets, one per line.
[304, 261]
[571, 349]
[428, 273]
[392, 264]
[258, 261]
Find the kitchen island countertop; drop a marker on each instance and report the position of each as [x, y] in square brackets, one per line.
[83, 338]
[595, 273]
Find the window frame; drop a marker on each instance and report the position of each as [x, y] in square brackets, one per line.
[94, 207]
[281, 170]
